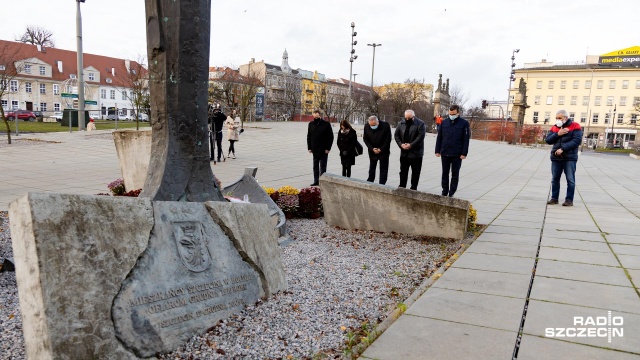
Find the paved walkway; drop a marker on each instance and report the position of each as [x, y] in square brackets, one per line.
[585, 260]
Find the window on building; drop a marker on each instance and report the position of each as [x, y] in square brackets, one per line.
[27, 87]
[103, 93]
[625, 84]
[612, 84]
[551, 83]
[560, 100]
[549, 100]
[620, 118]
[539, 84]
[623, 101]
[43, 70]
[14, 104]
[68, 89]
[43, 88]
[536, 100]
[13, 86]
[572, 116]
[43, 106]
[92, 76]
[594, 118]
[112, 94]
[56, 89]
[598, 100]
[56, 106]
[2, 68]
[547, 117]
[4, 104]
[27, 69]
[563, 84]
[535, 117]
[124, 94]
[130, 94]
[609, 100]
[587, 84]
[607, 116]
[600, 84]
[576, 84]
[574, 100]
[636, 100]
[583, 117]
[511, 98]
[633, 120]
[637, 84]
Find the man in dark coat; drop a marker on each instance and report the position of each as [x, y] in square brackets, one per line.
[452, 145]
[377, 138]
[319, 142]
[216, 125]
[565, 136]
[409, 136]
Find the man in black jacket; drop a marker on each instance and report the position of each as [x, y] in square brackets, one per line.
[319, 142]
[452, 146]
[409, 136]
[216, 125]
[377, 138]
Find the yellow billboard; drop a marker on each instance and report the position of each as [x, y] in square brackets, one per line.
[623, 57]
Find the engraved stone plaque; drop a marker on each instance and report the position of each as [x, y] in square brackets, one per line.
[189, 277]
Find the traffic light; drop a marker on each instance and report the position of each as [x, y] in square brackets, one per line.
[484, 104]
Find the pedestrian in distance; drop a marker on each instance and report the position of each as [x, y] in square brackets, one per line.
[409, 136]
[216, 124]
[565, 136]
[377, 138]
[233, 132]
[452, 146]
[347, 140]
[319, 142]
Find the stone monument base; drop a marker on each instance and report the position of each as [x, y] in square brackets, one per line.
[120, 278]
[357, 204]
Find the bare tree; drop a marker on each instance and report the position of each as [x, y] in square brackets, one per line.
[235, 91]
[137, 82]
[458, 97]
[292, 96]
[222, 88]
[10, 67]
[247, 89]
[37, 35]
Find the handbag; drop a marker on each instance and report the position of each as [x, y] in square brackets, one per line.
[359, 148]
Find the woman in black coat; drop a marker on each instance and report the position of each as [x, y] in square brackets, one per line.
[347, 140]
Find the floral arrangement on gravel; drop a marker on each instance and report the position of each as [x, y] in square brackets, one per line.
[306, 203]
[117, 189]
[472, 218]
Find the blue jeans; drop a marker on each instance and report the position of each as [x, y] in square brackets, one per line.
[569, 169]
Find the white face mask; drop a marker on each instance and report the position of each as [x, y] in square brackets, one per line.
[559, 123]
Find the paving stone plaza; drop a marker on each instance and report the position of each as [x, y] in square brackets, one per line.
[585, 259]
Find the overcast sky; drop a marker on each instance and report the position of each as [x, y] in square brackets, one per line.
[468, 41]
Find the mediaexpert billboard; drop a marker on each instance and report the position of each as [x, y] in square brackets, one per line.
[624, 57]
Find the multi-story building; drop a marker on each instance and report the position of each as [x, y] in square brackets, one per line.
[45, 74]
[601, 93]
[313, 86]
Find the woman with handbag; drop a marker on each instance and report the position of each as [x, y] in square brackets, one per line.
[347, 140]
[233, 132]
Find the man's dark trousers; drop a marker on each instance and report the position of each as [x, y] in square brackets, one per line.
[319, 167]
[384, 168]
[450, 164]
[416, 166]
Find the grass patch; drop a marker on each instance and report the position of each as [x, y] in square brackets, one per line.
[619, 151]
[43, 127]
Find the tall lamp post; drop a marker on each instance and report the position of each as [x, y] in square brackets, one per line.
[353, 56]
[512, 77]
[613, 124]
[588, 113]
[80, 67]
[373, 63]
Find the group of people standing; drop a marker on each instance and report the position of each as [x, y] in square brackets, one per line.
[218, 121]
[452, 145]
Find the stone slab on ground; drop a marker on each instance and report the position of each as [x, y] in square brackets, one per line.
[597, 246]
[357, 204]
[496, 248]
[578, 256]
[506, 264]
[539, 348]
[414, 337]
[582, 272]
[484, 282]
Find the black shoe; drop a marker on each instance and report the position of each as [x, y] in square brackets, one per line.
[444, 193]
[552, 202]
[567, 203]
[314, 184]
[450, 195]
[218, 159]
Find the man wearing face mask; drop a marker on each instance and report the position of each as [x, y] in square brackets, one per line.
[319, 141]
[377, 138]
[409, 136]
[452, 145]
[565, 136]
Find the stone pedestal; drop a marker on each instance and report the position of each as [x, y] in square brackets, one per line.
[134, 151]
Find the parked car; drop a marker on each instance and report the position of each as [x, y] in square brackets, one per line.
[57, 115]
[25, 115]
[114, 117]
[142, 117]
[39, 115]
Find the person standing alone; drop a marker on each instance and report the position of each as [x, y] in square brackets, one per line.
[377, 138]
[233, 132]
[409, 136]
[319, 142]
[347, 140]
[452, 146]
[565, 136]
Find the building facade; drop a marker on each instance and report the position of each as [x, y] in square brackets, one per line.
[603, 96]
[46, 75]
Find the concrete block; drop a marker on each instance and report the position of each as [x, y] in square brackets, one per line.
[356, 204]
[134, 152]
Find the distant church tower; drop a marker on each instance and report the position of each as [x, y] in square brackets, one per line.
[285, 62]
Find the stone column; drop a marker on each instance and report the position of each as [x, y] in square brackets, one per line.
[178, 37]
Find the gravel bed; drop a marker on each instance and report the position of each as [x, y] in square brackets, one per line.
[19, 142]
[338, 281]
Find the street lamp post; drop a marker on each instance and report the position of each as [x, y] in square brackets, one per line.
[512, 77]
[613, 123]
[352, 57]
[80, 67]
[588, 113]
[373, 63]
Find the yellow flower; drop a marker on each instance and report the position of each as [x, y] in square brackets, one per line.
[288, 190]
[269, 190]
